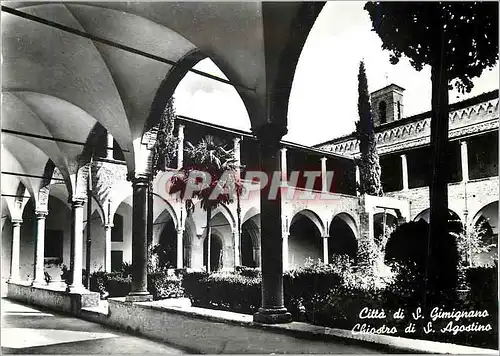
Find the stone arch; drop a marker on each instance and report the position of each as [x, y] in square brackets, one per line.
[224, 210]
[250, 213]
[311, 215]
[216, 251]
[305, 238]
[485, 221]
[250, 242]
[342, 235]
[455, 224]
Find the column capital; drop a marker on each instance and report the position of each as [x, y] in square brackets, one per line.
[283, 149]
[270, 133]
[237, 139]
[108, 225]
[463, 142]
[323, 159]
[16, 222]
[139, 178]
[77, 202]
[41, 214]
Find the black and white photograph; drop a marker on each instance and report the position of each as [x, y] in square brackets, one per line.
[249, 177]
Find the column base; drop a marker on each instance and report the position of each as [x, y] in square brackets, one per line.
[133, 297]
[36, 283]
[77, 289]
[272, 316]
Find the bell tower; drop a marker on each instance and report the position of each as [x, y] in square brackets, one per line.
[387, 104]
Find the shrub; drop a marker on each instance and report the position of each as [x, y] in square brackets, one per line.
[226, 291]
[162, 286]
[117, 285]
[249, 271]
[98, 282]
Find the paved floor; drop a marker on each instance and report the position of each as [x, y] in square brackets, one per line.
[29, 330]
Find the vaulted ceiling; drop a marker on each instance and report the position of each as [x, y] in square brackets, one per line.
[58, 84]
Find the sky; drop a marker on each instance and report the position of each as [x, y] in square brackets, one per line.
[323, 100]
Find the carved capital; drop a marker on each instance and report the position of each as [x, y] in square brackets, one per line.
[16, 222]
[77, 202]
[41, 214]
[139, 179]
[270, 134]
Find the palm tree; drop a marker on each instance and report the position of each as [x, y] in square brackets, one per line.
[212, 158]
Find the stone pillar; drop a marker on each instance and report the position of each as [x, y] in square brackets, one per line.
[40, 247]
[180, 248]
[16, 246]
[236, 247]
[325, 249]
[180, 146]
[109, 146]
[324, 187]
[283, 166]
[272, 309]
[358, 180]
[77, 246]
[139, 292]
[404, 171]
[107, 247]
[237, 155]
[285, 250]
[465, 161]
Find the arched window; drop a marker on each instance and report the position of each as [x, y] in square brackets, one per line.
[382, 112]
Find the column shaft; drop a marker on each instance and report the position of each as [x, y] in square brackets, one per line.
[77, 246]
[180, 248]
[236, 243]
[285, 251]
[107, 248]
[40, 247]
[109, 146]
[272, 309]
[404, 171]
[324, 187]
[180, 146]
[16, 245]
[325, 249]
[283, 167]
[465, 161]
[358, 180]
[139, 290]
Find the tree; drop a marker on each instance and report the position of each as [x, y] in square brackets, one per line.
[369, 166]
[211, 158]
[165, 147]
[458, 40]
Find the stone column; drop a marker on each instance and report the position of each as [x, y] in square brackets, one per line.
[139, 292]
[465, 161]
[404, 171]
[325, 249]
[180, 248]
[236, 249]
[283, 166]
[272, 309]
[237, 154]
[324, 187]
[285, 250]
[107, 248]
[40, 247]
[77, 246]
[180, 146]
[16, 246]
[109, 146]
[358, 180]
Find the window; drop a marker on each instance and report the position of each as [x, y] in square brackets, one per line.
[382, 112]
[116, 260]
[399, 110]
[117, 230]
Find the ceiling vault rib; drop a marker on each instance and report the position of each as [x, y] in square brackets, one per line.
[19, 133]
[30, 175]
[114, 44]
